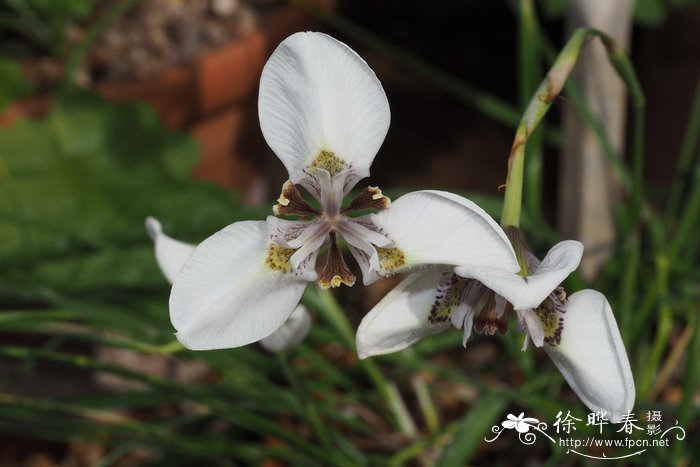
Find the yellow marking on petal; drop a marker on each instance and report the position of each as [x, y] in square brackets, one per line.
[336, 281]
[551, 320]
[391, 259]
[278, 257]
[327, 160]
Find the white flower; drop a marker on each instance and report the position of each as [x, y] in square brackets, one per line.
[324, 114]
[521, 423]
[171, 255]
[579, 334]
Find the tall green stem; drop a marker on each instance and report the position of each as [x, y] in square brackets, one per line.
[542, 100]
[529, 58]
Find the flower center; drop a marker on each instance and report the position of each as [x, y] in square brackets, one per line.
[314, 226]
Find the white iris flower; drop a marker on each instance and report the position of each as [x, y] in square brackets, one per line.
[325, 115]
[579, 333]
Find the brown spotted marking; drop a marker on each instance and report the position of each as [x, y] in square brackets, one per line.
[391, 259]
[447, 297]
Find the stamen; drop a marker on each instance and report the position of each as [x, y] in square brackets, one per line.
[369, 198]
[489, 321]
[291, 203]
[335, 272]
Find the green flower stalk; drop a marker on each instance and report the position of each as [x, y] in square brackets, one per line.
[541, 101]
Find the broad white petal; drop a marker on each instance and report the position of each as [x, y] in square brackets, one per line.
[292, 332]
[430, 227]
[529, 292]
[171, 254]
[401, 318]
[317, 94]
[592, 356]
[227, 296]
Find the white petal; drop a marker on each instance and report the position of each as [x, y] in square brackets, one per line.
[171, 254]
[431, 227]
[532, 327]
[468, 325]
[227, 296]
[401, 318]
[317, 94]
[292, 332]
[529, 292]
[592, 356]
[361, 236]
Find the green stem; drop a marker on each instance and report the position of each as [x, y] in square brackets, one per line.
[331, 310]
[685, 158]
[425, 402]
[529, 53]
[663, 330]
[685, 231]
[542, 100]
[311, 415]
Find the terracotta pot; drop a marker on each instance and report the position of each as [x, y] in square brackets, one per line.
[215, 99]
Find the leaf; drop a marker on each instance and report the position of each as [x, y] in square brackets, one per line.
[84, 179]
[475, 426]
[13, 84]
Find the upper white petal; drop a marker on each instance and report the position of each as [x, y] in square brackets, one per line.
[317, 94]
[529, 292]
[433, 227]
[401, 318]
[171, 254]
[592, 356]
[292, 332]
[226, 296]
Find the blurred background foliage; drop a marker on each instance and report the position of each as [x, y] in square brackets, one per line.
[90, 373]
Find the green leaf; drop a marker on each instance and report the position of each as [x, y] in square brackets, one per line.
[84, 179]
[475, 426]
[13, 84]
[650, 12]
